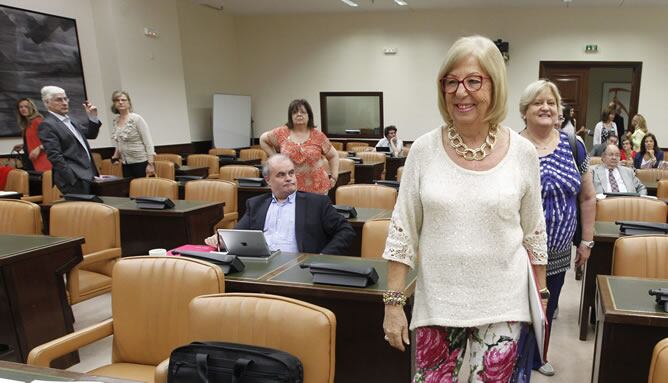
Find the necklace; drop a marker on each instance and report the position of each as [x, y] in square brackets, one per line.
[476, 154]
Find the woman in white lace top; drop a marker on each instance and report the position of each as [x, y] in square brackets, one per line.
[134, 147]
[468, 217]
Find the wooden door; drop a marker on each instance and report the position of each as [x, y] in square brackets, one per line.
[572, 82]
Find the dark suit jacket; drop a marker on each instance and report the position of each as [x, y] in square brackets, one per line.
[658, 154]
[70, 161]
[319, 228]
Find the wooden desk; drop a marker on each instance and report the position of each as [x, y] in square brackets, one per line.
[33, 304]
[343, 179]
[223, 160]
[25, 373]
[146, 229]
[393, 163]
[629, 325]
[600, 262]
[362, 355]
[367, 173]
[363, 215]
[185, 170]
[113, 187]
[651, 187]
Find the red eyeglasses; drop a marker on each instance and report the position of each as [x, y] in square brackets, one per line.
[471, 83]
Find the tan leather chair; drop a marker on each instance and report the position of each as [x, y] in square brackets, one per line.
[232, 172]
[20, 217]
[338, 145]
[165, 169]
[367, 196]
[150, 297]
[216, 191]
[18, 181]
[631, 209]
[253, 154]
[97, 158]
[342, 154]
[100, 225]
[109, 168]
[222, 152]
[50, 192]
[175, 158]
[658, 369]
[662, 189]
[400, 172]
[205, 160]
[374, 235]
[651, 175]
[154, 187]
[405, 150]
[643, 256]
[346, 164]
[595, 161]
[373, 158]
[271, 321]
[350, 145]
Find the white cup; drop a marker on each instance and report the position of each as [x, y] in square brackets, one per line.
[157, 252]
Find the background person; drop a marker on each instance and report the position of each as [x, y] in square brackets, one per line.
[134, 146]
[650, 154]
[305, 146]
[566, 184]
[639, 130]
[598, 150]
[609, 177]
[604, 128]
[29, 118]
[627, 153]
[474, 185]
[391, 141]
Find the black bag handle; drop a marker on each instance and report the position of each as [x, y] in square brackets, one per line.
[240, 367]
[202, 367]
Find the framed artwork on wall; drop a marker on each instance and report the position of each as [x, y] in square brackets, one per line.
[619, 90]
[37, 49]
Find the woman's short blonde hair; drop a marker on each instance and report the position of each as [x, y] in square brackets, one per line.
[490, 59]
[533, 90]
[115, 95]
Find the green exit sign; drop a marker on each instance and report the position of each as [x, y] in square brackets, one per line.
[591, 48]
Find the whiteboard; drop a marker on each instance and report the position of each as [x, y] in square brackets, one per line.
[231, 121]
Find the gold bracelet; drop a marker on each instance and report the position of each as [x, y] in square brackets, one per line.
[394, 298]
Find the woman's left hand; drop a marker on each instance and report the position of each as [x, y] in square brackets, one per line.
[582, 254]
[150, 170]
[332, 182]
[34, 153]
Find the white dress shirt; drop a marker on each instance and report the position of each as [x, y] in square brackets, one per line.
[618, 178]
[279, 225]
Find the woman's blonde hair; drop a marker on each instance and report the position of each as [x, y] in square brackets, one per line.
[24, 122]
[115, 95]
[534, 89]
[490, 60]
[642, 123]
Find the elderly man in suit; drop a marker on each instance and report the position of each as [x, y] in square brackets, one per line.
[600, 148]
[294, 221]
[65, 142]
[610, 177]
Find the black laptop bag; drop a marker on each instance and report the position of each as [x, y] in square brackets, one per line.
[220, 362]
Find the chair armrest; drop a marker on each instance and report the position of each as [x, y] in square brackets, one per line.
[32, 198]
[101, 255]
[161, 372]
[42, 355]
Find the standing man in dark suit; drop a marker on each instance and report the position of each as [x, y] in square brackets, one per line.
[294, 221]
[65, 142]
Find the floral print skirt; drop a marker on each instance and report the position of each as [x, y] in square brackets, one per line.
[440, 352]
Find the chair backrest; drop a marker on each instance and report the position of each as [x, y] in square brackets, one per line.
[595, 161]
[154, 187]
[150, 297]
[97, 158]
[643, 256]
[213, 191]
[374, 235]
[109, 168]
[17, 180]
[98, 223]
[338, 145]
[365, 195]
[205, 160]
[342, 154]
[19, 217]
[346, 164]
[631, 209]
[662, 189]
[175, 158]
[371, 157]
[658, 369]
[651, 175]
[400, 172]
[271, 321]
[232, 172]
[353, 144]
[50, 192]
[165, 169]
[222, 152]
[253, 154]
[405, 150]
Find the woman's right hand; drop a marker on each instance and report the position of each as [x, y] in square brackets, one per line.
[395, 326]
[34, 153]
[650, 152]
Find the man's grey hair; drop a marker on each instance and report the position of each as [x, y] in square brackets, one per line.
[266, 168]
[49, 91]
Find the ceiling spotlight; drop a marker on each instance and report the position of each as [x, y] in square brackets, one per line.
[350, 2]
[400, 2]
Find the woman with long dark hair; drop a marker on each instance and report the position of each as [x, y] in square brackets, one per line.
[650, 154]
[29, 118]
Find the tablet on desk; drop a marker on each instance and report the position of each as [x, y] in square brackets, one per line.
[245, 244]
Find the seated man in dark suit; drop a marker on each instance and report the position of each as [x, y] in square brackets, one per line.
[294, 221]
[598, 150]
[610, 177]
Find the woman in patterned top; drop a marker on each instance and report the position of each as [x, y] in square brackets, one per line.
[566, 184]
[307, 147]
[134, 147]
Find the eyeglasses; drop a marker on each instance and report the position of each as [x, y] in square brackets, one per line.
[60, 99]
[471, 83]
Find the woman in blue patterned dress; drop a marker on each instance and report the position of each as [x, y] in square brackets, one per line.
[567, 187]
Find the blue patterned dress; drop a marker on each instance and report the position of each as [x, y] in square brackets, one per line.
[560, 180]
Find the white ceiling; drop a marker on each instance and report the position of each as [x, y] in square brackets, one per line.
[258, 7]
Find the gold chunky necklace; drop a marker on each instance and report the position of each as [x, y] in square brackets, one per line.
[476, 154]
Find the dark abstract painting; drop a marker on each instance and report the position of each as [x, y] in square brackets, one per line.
[37, 49]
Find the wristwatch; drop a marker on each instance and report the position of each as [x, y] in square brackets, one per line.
[589, 244]
[544, 293]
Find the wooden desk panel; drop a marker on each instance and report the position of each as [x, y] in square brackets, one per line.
[33, 303]
[113, 187]
[393, 163]
[629, 325]
[367, 173]
[25, 373]
[185, 170]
